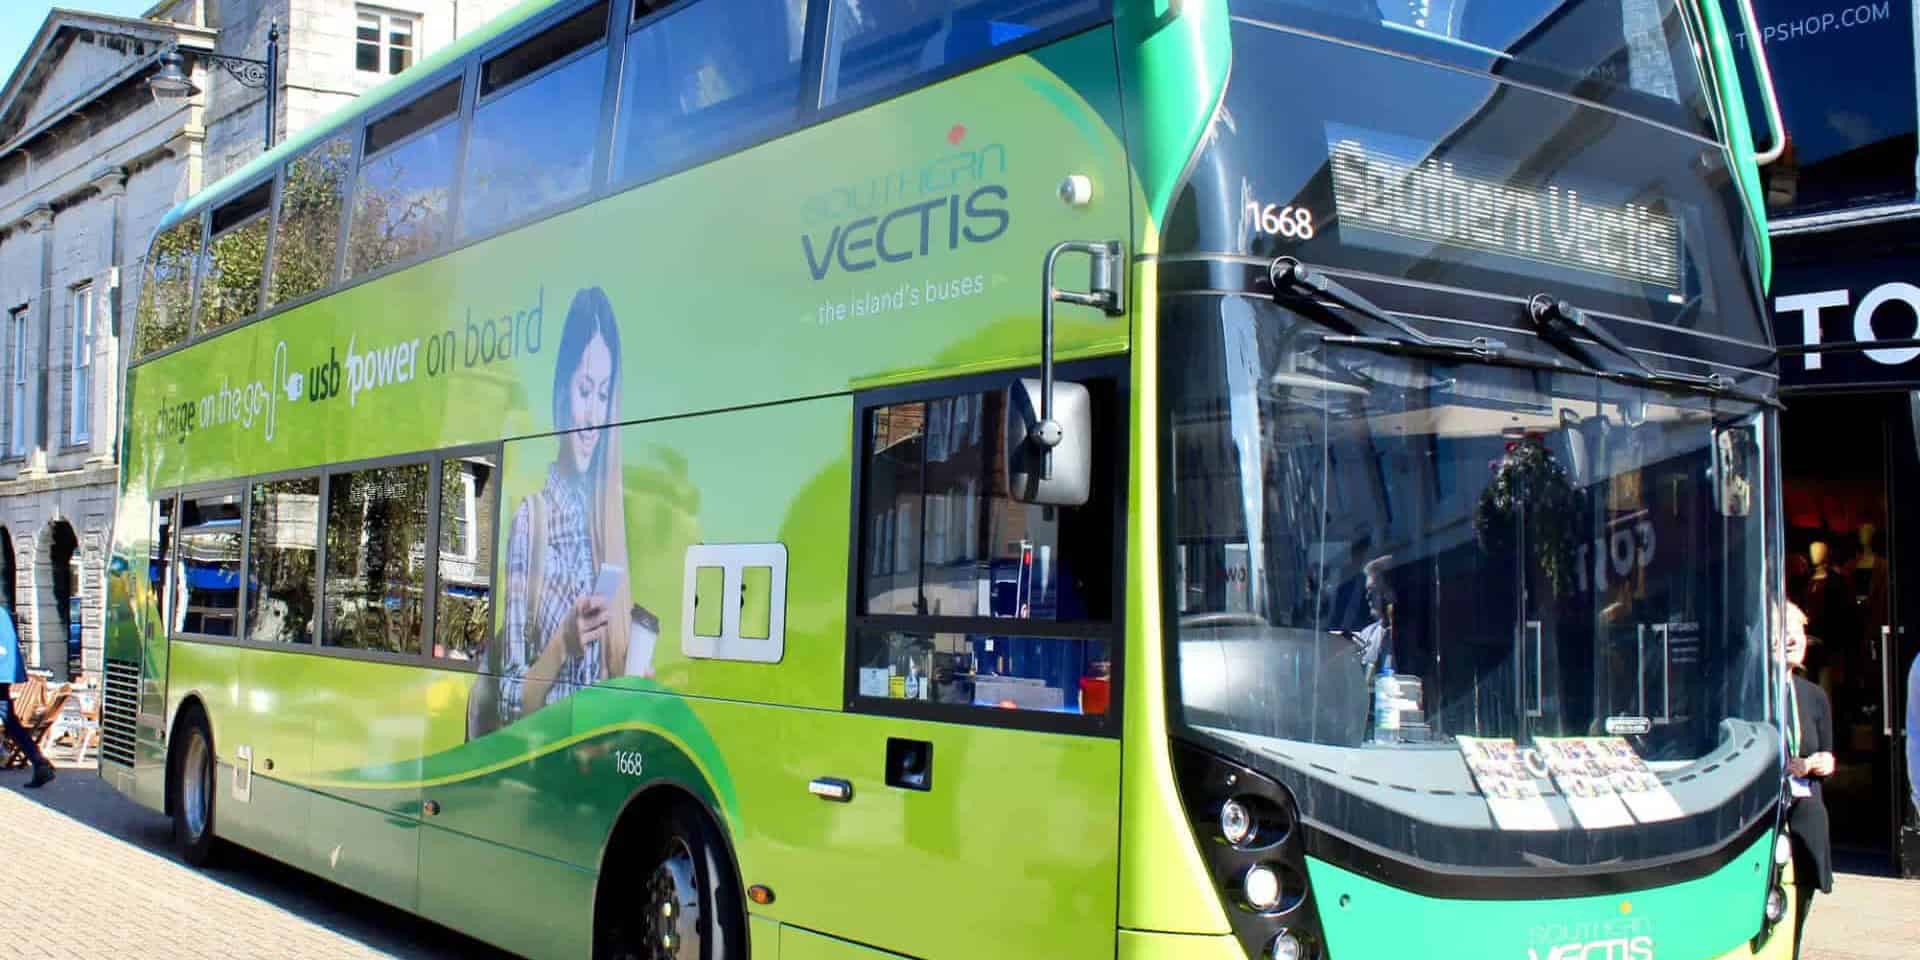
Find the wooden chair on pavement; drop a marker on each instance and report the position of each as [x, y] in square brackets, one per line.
[37, 706]
[78, 720]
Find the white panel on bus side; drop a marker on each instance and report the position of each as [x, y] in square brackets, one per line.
[733, 561]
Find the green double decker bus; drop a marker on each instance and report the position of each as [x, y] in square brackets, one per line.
[982, 478]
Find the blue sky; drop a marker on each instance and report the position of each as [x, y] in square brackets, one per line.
[21, 19]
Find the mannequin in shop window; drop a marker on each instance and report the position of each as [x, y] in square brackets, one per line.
[1868, 575]
[1832, 614]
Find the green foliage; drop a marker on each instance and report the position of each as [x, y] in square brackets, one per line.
[376, 558]
[231, 290]
[309, 228]
[166, 297]
[1530, 502]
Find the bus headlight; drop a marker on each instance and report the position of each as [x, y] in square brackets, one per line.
[1236, 824]
[1782, 849]
[1262, 888]
[1286, 946]
[1251, 833]
[1776, 905]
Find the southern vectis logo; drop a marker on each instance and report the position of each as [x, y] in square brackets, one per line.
[954, 199]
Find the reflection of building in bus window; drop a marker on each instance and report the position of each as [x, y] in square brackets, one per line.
[559, 632]
[693, 82]
[463, 615]
[283, 546]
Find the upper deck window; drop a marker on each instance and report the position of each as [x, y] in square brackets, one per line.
[401, 203]
[166, 297]
[696, 82]
[236, 257]
[1632, 54]
[871, 47]
[539, 117]
[308, 229]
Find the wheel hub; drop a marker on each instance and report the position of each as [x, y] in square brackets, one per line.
[671, 921]
[196, 787]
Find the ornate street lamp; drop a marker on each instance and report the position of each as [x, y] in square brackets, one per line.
[173, 81]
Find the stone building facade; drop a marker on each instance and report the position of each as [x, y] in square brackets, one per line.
[90, 160]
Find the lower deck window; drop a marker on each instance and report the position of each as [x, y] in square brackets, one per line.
[207, 566]
[965, 595]
[376, 558]
[1000, 671]
[282, 552]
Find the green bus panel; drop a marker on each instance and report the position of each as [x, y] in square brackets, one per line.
[1702, 919]
[364, 849]
[774, 474]
[798, 944]
[528, 904]
[1021, 827]
[1144, 945]
[748, 299]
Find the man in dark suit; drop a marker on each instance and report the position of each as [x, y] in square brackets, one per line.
[1809, 761]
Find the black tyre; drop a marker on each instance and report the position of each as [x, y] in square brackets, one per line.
[194, 792]
[675, 898]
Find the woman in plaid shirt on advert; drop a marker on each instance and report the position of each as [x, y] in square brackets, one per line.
[564, 629]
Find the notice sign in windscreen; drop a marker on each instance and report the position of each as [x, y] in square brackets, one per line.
[1458, 203]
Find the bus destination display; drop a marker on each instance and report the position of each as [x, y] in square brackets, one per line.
[1447, 201]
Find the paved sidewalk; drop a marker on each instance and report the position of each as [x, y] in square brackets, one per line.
[87, 873]
[1865, 918]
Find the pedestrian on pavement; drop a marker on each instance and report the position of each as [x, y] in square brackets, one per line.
[1809, 761]
[12, 671]
[1913, 732]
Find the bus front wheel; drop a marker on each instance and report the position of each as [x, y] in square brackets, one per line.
[193, 786]
[677, 899]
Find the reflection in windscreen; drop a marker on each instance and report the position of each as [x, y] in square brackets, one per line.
[1529, 554]
[1592, 48]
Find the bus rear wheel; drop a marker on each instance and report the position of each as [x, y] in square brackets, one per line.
[193, 793]
[676, 898]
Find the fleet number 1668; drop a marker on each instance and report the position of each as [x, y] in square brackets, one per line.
[1294, 223]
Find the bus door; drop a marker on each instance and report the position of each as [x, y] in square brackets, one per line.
[970, 801]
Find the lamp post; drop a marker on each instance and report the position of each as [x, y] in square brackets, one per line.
[173, 82]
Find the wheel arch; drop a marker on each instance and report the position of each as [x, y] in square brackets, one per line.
[644, 810]
[191, 705]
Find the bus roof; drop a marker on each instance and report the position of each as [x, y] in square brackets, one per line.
[352, 110]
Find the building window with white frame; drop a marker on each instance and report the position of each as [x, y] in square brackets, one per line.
[17, 396]
[385, 42]
[80, 400]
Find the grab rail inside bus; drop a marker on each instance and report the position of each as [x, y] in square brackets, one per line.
[1763, 72]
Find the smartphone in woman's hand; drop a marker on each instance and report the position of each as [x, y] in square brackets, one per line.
[612, 578]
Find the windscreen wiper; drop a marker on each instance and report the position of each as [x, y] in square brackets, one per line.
[1559, 319]
[1290, 276]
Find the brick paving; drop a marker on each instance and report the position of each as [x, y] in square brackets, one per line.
[86, 873]
[1865, 918]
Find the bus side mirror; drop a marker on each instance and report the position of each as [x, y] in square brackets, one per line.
[1736, 456]
[1029, 479]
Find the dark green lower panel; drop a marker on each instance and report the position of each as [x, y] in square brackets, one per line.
[273, 820]
[367, 850]
[530, 905]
